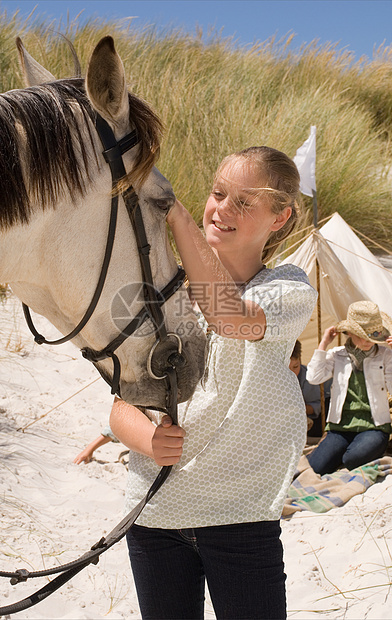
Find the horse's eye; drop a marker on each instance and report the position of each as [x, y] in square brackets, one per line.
[164, 204]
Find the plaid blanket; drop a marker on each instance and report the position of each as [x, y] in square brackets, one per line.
[309, 491]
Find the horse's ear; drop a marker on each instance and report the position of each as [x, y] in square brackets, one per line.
[33, 72]
[106, 83]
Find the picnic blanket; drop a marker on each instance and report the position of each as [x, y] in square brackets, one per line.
[310, 491]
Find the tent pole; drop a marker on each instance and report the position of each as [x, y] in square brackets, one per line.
[319, 335]
[315, 210]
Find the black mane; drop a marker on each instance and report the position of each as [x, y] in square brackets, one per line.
[38, 158]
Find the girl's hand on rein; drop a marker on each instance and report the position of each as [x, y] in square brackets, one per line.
[167, 442]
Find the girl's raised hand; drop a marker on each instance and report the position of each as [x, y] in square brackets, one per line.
[174, 211]
[167, 442]
[328, 337]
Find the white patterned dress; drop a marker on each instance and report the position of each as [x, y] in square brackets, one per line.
[245, 424]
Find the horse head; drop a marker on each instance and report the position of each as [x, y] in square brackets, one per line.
[55, 211]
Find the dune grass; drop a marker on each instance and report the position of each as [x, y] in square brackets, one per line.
[215, 97]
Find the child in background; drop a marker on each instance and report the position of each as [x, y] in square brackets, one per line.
[240, 436]
[87, 454]
[359, 421]
[311, 393]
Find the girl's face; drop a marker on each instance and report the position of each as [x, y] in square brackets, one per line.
[361, 343]
[237, 220]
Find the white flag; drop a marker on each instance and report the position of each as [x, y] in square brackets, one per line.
[305, 160]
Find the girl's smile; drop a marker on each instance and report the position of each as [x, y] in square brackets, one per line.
[222, 227]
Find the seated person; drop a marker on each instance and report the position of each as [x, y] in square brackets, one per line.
[358, 422]
[311, 393]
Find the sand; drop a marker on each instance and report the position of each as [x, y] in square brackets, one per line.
[338, 565]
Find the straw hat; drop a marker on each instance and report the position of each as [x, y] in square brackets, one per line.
[365, 320]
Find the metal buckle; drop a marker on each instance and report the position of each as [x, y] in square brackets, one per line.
[149, 359]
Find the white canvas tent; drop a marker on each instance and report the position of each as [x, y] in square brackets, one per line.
[348, 272]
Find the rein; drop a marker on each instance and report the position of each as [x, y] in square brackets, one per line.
[154, 300]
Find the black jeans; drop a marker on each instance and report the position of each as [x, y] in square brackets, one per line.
[243, 566]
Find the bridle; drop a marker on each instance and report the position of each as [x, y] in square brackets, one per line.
[113, 152]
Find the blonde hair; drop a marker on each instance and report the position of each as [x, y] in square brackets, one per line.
[280, 178]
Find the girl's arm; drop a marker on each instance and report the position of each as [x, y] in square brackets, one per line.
[328, 337]
[87, 453]
[320, 367]
[135, 430]
[211, 284]
[388, 369]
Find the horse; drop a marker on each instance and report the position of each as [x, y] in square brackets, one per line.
[54, 216]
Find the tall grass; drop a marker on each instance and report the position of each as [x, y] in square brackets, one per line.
[215, 97]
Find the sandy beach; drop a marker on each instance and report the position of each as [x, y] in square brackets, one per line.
[338, 564]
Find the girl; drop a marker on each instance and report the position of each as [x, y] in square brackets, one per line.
[217, 515]
[359, 422]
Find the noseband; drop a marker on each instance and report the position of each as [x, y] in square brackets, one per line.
[113, 152]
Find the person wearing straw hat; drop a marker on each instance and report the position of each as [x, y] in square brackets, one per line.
[359, 421]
